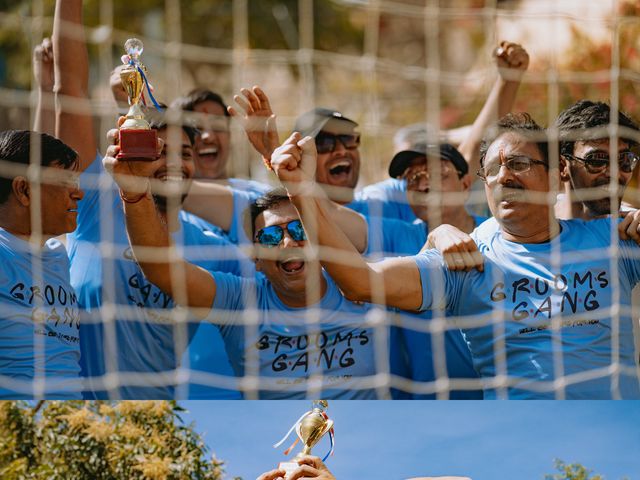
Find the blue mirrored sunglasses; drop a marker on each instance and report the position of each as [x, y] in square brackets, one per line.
[272, 235]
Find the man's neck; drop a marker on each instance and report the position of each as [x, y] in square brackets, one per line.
[541, 234]
[314, 291]
[340, 195]
[19, 225]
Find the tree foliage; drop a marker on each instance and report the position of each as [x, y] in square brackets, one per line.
[101, 441]
[573, 471]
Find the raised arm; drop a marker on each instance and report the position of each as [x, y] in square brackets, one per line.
[258, 120]
[512, 61]
[394, 282]
[74, 121]
[149, 237]
[211, 201]
[45, 115]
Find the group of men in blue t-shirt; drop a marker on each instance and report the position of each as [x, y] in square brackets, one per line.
[548, 314]
[522, 306]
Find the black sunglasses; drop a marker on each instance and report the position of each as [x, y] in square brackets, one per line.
[272, 235]
[597, 162]
[326, 142]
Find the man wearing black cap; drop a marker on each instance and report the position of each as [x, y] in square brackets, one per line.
[337, 142]
[437, 185]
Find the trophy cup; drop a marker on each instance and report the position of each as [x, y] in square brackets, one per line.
[137, 139]
[310, 428]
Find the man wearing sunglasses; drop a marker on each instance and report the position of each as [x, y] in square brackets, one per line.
[289, 332]
[549, 315]
[585, 148]
[337, 142]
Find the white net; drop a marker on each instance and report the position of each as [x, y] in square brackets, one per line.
[550, 321]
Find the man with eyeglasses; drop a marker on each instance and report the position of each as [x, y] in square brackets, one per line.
[585, 147]
[548, 317]
[437, 182]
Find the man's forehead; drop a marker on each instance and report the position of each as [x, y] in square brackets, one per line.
[511, 143]
[602, 144]
[284, 212]
[338, 127]
[209, 107]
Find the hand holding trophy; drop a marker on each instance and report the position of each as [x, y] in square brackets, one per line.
[137, 139]
[310, 428]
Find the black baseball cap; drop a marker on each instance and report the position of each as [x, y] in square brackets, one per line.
[445, 151]
[313, 121]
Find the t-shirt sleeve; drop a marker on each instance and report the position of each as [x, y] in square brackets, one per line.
[631, 259]
[229, 300]
[391, 237]
[435, 280]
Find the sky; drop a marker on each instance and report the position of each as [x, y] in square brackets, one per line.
[392, 440]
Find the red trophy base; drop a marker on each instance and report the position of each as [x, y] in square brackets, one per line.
[138, 144]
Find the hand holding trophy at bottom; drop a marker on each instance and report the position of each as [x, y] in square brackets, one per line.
[310, 428]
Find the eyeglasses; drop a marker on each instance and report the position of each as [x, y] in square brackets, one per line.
[326, 142]
[597, 162]
[516, 164]
[413, 175]
[272, 235]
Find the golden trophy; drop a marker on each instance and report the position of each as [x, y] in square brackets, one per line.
[137, 139]
[310, 428]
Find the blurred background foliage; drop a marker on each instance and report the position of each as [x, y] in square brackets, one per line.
[368, 59]
[56, 440]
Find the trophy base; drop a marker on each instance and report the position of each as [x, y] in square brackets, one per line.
[288, 467]
[138, 144]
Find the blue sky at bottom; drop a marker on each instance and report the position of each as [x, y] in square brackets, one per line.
[394, 440]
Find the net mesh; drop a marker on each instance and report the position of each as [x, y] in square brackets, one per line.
[385, 64]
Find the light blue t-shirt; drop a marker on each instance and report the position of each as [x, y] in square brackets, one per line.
[129, 326]
[411, 344]
[387, 199]
[39, 322]
[391, 237]
[251, 186]
[547, 308]
[204, 354]
[334, 339]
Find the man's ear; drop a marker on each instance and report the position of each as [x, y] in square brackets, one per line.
[555, 179]
[466, 181]
[22, 190]
[258, 263]
[565, 175]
